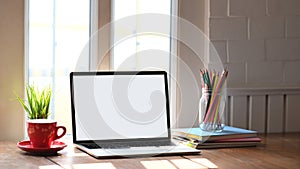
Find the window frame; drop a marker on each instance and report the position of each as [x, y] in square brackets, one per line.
[98, 19]
[172, 76]
[93, 27]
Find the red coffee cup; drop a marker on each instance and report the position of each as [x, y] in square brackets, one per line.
[42, 132]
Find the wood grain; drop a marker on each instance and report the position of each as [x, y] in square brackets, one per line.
[12, 157]
[276, 151]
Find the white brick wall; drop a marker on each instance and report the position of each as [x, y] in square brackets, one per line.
[237, 76]
[264, 73]
[221, 51]
[218, 8]
[228, 28]
[246, 50]
[258, 40]
[262, 27]
[247, 7]
[283, 7]
[283, 49]
[291, 73]
[293, 26]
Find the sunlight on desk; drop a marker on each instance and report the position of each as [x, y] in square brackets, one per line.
[157, 164]
[185, 163]
[179, 163]
[91, 166]
[195, 163]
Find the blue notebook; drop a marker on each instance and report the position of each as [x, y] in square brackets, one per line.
[202, 136]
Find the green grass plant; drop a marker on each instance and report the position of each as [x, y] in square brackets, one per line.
[38, 103]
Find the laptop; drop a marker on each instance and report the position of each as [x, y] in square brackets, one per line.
[122, 114]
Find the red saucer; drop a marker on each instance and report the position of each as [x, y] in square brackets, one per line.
[55, 147]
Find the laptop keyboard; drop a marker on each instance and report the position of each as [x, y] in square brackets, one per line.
[127, 145]
[90, 145]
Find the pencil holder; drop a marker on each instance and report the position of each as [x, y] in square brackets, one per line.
[211, 111]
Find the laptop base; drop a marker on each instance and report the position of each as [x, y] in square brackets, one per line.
[139, 151]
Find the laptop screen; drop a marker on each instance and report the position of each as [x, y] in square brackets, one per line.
[119, 105]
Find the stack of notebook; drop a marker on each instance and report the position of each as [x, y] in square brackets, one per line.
[229, 137]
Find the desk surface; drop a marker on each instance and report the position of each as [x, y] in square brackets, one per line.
[276, 151]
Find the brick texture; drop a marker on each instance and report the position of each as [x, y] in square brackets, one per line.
[228, 28]
[218, 8]
[219, 51]
[237, 73]
[266, 27]
[246, 50]
[293, 26]
[283, 7]
[258, 40]
[283, 49]
[247, 8]
[264, 72]
[291, 72]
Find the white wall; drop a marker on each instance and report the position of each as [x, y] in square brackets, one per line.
[259, 41]
[11, 68]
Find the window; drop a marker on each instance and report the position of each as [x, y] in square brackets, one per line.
[142, 38]
[57, 31]
[133, 47]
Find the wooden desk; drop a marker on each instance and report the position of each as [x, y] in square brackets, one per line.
[276, 151]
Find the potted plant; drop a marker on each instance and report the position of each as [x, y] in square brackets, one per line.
[41, 130]
[38, 103]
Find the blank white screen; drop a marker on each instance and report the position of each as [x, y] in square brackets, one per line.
[120, 107]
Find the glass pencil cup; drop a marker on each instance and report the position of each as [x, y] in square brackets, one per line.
[211, 111]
